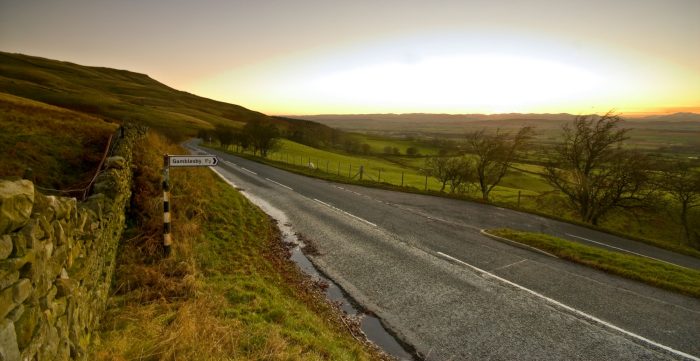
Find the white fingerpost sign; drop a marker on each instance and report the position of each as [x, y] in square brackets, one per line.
[192, 160]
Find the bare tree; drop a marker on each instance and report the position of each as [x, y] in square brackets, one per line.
[438, 168]
[412, 151]
[460, 171]
[592, 170]
[683, 184]
[263, 136]
[225, 135]
[494, 155]
[366, 148]
[241, 140]
[450, 170]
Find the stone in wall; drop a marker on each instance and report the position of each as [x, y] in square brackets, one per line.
[16, 203]
[8, 341]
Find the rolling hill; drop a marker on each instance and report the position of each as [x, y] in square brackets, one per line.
[117, 95]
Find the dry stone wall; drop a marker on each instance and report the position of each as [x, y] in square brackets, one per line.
[57, 256]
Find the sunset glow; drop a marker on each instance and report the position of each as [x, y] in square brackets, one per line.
[323, 57]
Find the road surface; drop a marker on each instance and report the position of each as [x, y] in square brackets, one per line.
[423, 266]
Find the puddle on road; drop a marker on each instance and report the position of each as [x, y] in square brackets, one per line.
[369, 324]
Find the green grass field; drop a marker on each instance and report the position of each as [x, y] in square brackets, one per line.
[390, 169]
[375, 168]
[378, 143]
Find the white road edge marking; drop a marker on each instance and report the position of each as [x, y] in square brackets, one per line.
[574, 310]
[344, 212]
[280, 184]
[624, 250]
[248, 170]
[224, 178]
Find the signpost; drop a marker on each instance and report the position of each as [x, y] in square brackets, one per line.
[178, 161]
[192, 160]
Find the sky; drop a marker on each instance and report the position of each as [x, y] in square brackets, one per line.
[346, 57]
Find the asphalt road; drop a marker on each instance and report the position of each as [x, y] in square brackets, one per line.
[422, 265]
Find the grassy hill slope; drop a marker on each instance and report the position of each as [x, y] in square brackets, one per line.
[116, 94]
[62, 147]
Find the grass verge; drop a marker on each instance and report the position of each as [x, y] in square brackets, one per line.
[228, 292]
[652, 272]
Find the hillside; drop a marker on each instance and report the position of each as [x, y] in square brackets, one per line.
[116, 95]
[62, 147]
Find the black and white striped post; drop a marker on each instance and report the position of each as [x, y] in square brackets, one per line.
[178, 161]
[167, 238]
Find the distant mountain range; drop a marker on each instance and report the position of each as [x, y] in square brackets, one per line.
[439, 117]
[675, 117]
[406, 124]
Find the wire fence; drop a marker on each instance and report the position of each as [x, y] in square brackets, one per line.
[404, 177]
[82, 193]
[358, 171]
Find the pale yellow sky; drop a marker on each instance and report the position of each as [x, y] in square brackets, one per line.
[311, 57]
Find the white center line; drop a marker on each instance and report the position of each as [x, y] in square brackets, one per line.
[344, 212]
[574, 310]
[622, 249]
[508, 265]
[248, 170]
[230, 163]
[280, 184]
